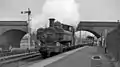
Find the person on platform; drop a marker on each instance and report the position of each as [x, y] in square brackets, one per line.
[113, 45]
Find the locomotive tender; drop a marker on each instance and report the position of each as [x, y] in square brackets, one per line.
[56, 38]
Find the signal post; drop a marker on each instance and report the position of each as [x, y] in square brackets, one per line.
[28, 12]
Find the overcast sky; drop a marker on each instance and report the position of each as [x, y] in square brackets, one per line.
[89, 9]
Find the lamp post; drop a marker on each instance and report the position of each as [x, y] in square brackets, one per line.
[80, 37]
[106, 32]
[28, 12]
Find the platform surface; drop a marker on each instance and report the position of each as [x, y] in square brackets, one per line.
[76, 58]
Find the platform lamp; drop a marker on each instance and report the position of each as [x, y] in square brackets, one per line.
[28, 12]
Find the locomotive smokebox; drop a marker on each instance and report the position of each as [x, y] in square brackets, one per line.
[51, 20]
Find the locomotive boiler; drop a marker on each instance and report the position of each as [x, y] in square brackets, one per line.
[56, 38]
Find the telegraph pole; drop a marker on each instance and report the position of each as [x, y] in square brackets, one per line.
[28, 12]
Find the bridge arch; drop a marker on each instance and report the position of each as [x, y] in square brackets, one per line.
[11, 38]
[93, 32]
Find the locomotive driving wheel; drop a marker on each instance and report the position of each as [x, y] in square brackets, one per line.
[44, 55]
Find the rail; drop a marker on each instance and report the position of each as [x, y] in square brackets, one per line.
[17, 55]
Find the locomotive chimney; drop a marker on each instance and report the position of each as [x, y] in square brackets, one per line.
[51, 20]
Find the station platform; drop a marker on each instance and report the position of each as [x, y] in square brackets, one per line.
[81, 57]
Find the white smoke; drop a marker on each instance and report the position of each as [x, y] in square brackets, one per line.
[65, 11]
[38, 21]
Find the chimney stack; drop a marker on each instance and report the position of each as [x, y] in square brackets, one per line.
[51, 20]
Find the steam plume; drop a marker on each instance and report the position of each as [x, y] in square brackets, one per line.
[65, 11]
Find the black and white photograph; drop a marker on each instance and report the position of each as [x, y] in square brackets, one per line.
[59, 33]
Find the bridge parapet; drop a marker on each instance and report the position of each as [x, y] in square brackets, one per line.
[13, 23]
[97, 27]
[11, 33]
[97, 24]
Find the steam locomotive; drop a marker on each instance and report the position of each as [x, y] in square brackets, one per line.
[56, 38]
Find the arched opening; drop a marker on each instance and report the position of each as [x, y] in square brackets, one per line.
[82, 36]
[92, 32]
[24, 43]
[11, 38]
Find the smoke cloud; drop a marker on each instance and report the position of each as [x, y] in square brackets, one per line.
[65, 11]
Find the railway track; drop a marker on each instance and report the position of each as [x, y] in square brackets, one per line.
[17, 57]
[30, 54]
[27, 57]
[18, 61]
